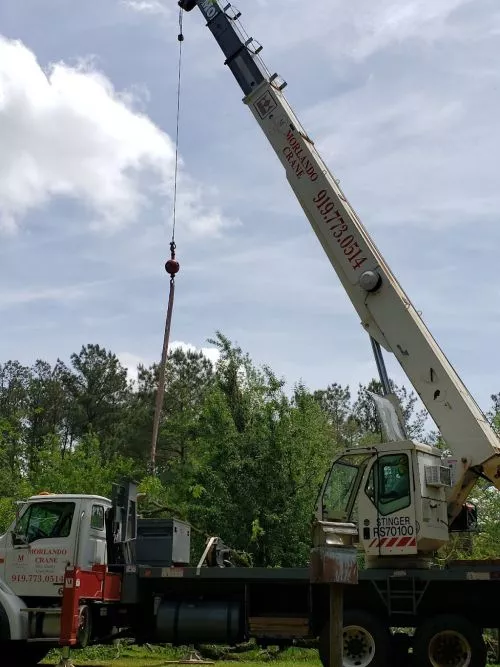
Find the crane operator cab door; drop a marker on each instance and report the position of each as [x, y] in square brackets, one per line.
[375, 490]
[386, 505]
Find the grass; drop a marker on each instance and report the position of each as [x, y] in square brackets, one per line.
[136, 656]
[156, 662]
[154, 656]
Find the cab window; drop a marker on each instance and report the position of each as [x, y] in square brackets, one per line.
[45, 520]
[388, 485]
[342, 486]
[97, 517]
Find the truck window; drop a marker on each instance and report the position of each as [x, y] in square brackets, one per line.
[388, 484]
[97, 517]
[46, 520]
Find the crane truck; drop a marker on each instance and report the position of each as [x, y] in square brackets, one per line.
[78, 569]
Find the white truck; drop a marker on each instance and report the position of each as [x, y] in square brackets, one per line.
[51, 533]
[83, 569]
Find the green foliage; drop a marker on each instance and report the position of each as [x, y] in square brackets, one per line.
[238, 456]
[485, 543]
[123, 655]
[80, 470]
[260, 459]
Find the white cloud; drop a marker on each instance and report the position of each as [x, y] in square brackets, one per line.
[154, 7]
[407, 96]
[196, 212]
[55, 294]
[354, 30]
[211, 353]
[374, 26]
[68, 132]
[131, 362]
[415, 151]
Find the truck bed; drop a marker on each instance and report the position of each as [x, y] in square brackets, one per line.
[281, 602]
[455, 570]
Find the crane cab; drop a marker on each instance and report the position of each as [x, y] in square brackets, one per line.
[394, 498]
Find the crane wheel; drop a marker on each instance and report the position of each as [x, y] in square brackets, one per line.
[449, 641]
[366, 641]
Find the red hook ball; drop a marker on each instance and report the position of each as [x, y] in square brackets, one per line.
[172, 267]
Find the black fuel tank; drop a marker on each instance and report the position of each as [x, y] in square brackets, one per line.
[204, 621]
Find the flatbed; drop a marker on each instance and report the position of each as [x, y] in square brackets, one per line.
[401, 597]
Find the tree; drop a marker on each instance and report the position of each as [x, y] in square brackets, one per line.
[335, 401]
[80, 470]
[14, 381]
[365, 412]
[235, 372]
[189, 375]
[494, 412]
[99, 390]
[262, 457]
[240, 455]
[46, 409]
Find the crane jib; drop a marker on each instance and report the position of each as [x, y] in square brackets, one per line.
[385, 311]
[328, 211]
[299, 162]
[326, 205]
[209, 8]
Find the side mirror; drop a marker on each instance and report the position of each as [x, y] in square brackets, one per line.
[19, 540]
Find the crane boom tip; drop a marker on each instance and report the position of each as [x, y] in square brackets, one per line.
[187, 5]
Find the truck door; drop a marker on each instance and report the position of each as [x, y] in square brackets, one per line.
[387, 507]
[93, 548]
[40, 546]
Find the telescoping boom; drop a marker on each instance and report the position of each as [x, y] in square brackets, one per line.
[386, 312]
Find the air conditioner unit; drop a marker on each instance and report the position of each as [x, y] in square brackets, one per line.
[437, 476]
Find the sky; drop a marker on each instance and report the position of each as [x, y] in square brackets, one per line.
[402, 100]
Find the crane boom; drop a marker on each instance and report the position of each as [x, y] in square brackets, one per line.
[386, 312]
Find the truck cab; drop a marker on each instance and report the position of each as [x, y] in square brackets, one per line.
[51, 533]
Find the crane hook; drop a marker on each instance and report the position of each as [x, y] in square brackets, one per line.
[172, 266]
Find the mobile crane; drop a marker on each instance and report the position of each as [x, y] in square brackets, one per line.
[81, 569]
[407, 497]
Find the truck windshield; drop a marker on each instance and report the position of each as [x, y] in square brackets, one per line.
[341, 488]
[45, 519]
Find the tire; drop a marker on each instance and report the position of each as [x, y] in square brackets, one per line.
[366, 641]
[22, 654]
[449, 641]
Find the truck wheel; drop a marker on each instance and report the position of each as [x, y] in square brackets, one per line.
[449, 641]
[365, 641]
